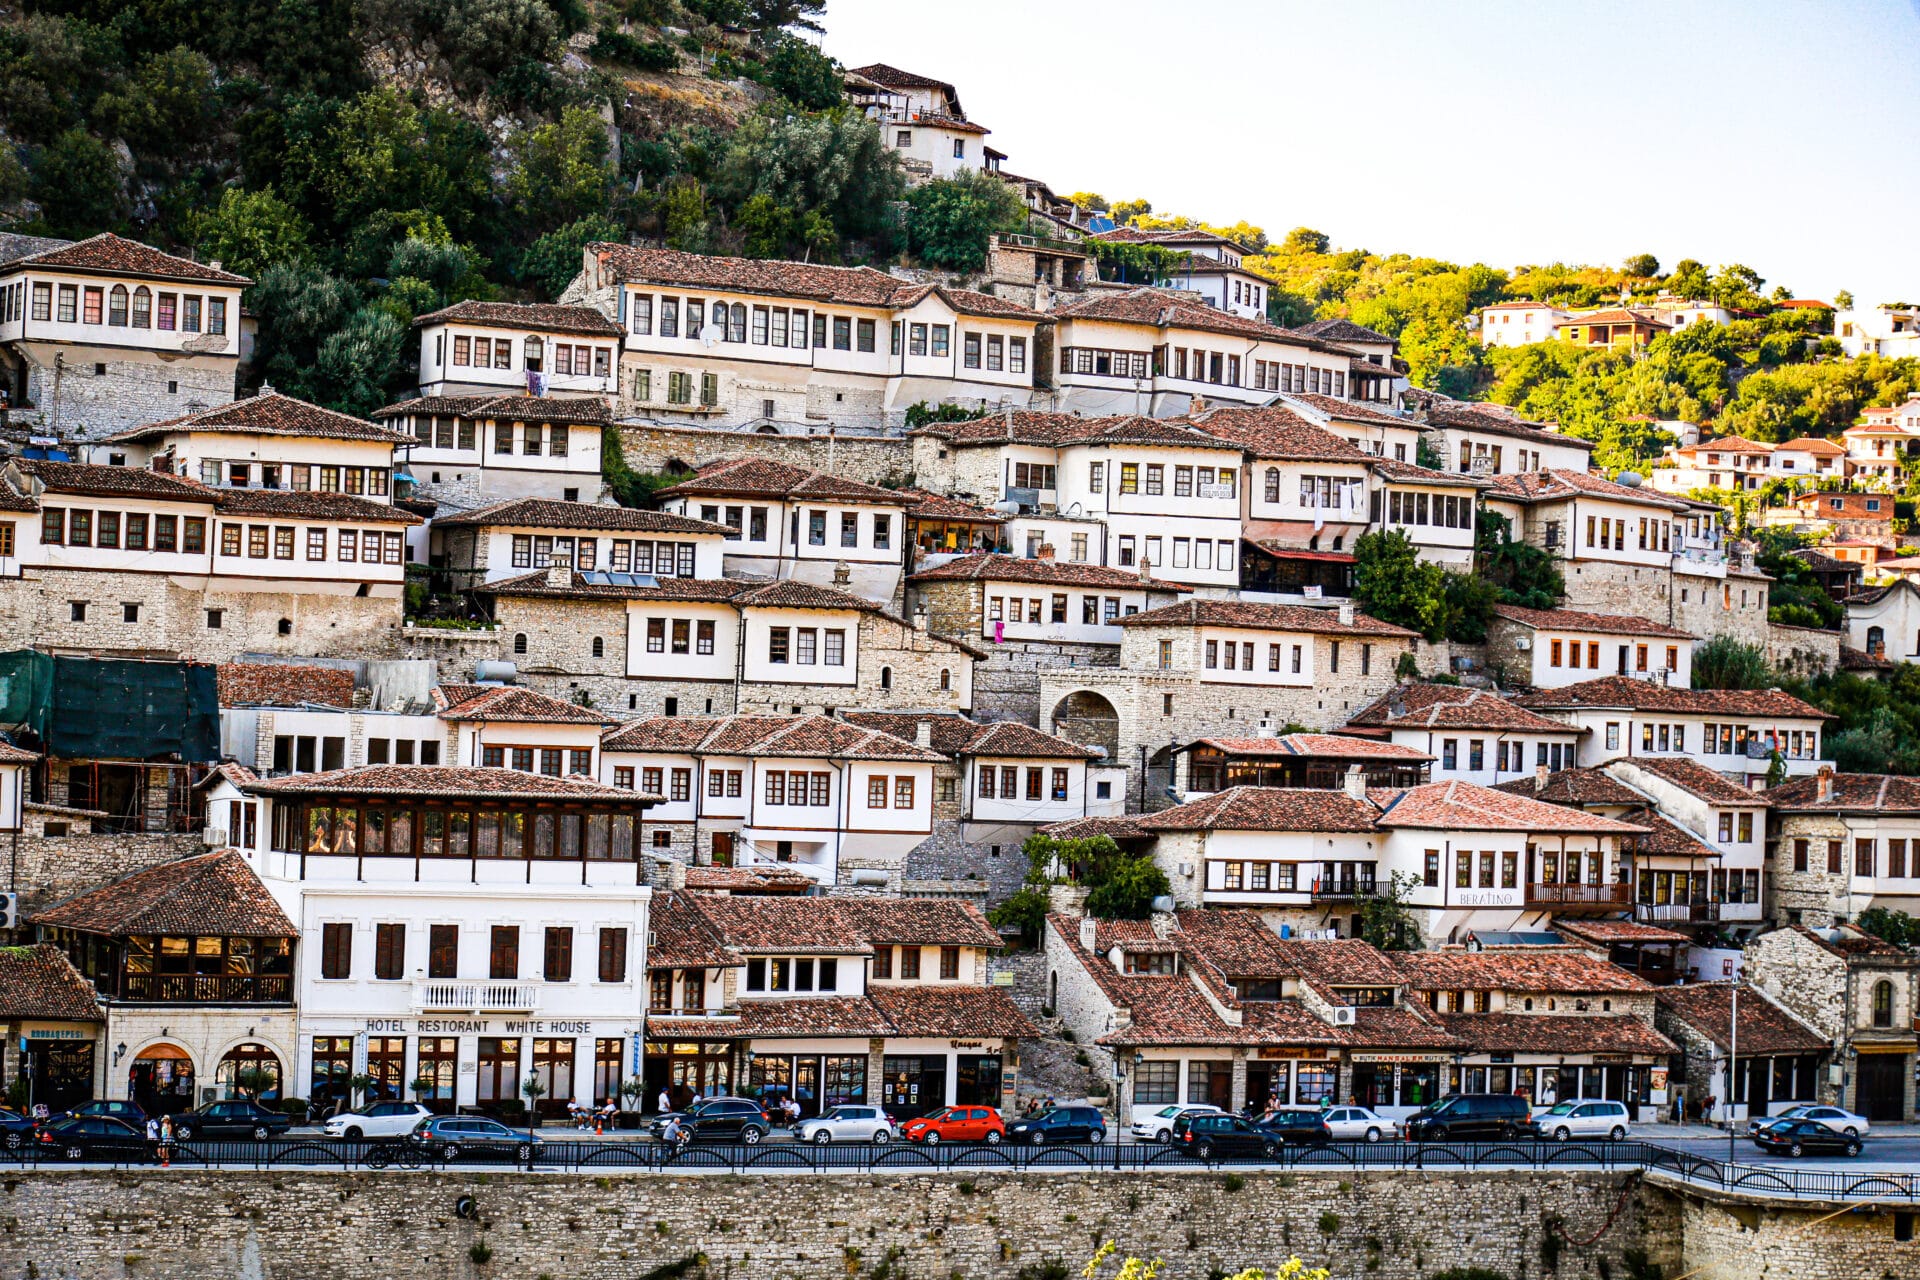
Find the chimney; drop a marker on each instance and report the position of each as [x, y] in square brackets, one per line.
[1540, 775]
[1044, 551]
[1146, 570]
[1823, 790]
[842, 573]
[923, 733]
[560, 573]
[1346, 613]
[1356, 782]
[1089, 933]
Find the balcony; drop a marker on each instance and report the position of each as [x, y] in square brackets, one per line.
[207, 988]
[1677, 912]
[1591, 897]
[454, 996]
[1335, 889]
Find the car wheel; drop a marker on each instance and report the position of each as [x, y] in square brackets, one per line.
[1373, 1135]
[1036, 1137]
[1852, 1132]
[821, 1137]
[1618, 1133]
[1099, 1135]
[1562, 1134]
[261, 1133]
[750, 1136]
[74, 1153]
[1165, 1135]
[450, 1152]
[1796, 1151]
[933, 1138]
[523, 1152]
[881, 1137]
[993, 1137]
[182, 1133]
[1853, 1146]
[1204, 1150]
[1509, 1133]
[355, 1133]
[1270, 1149]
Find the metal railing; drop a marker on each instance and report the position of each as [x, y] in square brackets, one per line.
[1579, 895]
[451, 996]
[1661, 1164]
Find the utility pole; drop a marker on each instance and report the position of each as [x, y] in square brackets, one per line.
[1733, 1059]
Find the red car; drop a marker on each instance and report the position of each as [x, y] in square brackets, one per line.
[957, 1124]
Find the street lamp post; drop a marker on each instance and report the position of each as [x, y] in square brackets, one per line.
[1733, 1061]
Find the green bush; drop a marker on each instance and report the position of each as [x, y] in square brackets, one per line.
[615, 45]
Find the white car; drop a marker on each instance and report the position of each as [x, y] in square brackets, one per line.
[1842, 1122]
[848, 1123]
[1584, 1118]
[1156, 1123]
[1357, 1124]
[381, 1120]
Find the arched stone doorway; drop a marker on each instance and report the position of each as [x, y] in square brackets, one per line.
[161, 1079]
[1087, 717]
[250, 1070]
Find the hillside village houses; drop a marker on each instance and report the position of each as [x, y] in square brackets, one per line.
[1210, 268]
[468, 451]
[921, 120]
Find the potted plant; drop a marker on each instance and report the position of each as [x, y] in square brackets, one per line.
[533, 1089]
[254, 1081]
[359, 1085]
[633, 1089]
[422, 1088]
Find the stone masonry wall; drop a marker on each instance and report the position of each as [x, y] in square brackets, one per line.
[1811, 897]
[50, 869]
[92, 392]
[971, 1225]
[869, 459]
[1735, 606]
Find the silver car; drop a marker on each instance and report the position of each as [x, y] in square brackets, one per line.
[850, 1123]
[1834, 1118]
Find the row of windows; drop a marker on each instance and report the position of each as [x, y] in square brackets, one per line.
[675, 635]
[1730, 740]
[400, 832]
[81, 527]
[535, 438]
[1007, 353]
[497, 353]
[812, 790]
[902, 792]
[369, 547]
[1489, 457]
[552, 761]
[908, 967]
[1655, 535]
[1866, 859]
[806, 646]
[1042, 475]
[1677, 888]
[792, 975]
[1728, 824]
[1094, 610]
[624, 555]
[849, 531]
[1570, 651]
[679, 387]
[1448, 511]
[1300, 379]
[1211, 482]
[297, 476]
[1197, 552]
[443, 952]
[752, 519]
[119, 309]
[1009, 783]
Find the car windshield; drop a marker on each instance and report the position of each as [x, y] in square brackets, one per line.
[1560, 1109]
[1167, 1111]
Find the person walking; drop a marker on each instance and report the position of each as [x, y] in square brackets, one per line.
[665, 1102]
[166, 1142]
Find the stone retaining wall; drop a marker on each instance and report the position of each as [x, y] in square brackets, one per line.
[870, 459]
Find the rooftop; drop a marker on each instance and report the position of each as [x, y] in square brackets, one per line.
[1267, 809]
[271, 414]
[263, 684]
[1442, 706]
[1462, 806]
[213, 893]
[40, 982]
[769, 478]
[1858, 792]
[1577, 789]
[572, 410]
[1248, 615]
[524, 315]
[1556, 970]
[482, 702]
[1765, 1027]
[1558, 485]
[1646, 695]
[1697, 780]
[109, 254]
[444, 782]
[1610, 624]
[811, 737]
[986, 566]
[545, 513]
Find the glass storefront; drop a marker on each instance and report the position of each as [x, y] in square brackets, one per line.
[161, 1080]
[687, 1070]
[439, 1063]
[60, 1073]
[249, 1070]
[913, 1086]
[976, 1079]
[1315, 1082]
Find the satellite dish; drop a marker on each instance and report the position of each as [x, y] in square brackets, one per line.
[1629, 479]
[707, 338]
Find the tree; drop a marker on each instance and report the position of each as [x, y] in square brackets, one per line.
[1089, 201]
[1306, 240]
[1387, 920]
[167, 108]
[561, 174]
[1843, 300]
[249, 231]
[1690, 279]
[79, 185]
[803, 75]
[778, 15]
[1643, 265]
[1524, 574]
[949, 219]
[1124, 212]
[831, 162]
[1897, 927]
[357, 367]
[1737, 287]
[1126, 888]
[1392, 583]
[552, 261]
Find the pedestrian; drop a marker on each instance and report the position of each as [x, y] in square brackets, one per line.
[665, 1103]
[153, 1132]
[166, 1142]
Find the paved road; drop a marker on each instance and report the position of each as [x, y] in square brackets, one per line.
[1901, 1151]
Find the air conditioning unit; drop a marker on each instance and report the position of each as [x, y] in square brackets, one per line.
[215, 837]
[1343, 1015]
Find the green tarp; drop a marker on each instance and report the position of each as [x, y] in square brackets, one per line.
[111, 708]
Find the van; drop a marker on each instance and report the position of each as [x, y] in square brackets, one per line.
[1466, 1117]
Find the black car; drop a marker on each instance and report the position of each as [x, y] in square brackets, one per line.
[1206, 1135]
[1060, 1124]
[119, 1108]
[1460, 1117]
[471, 1138]
[1297, 1128]
[1799, 1137]
[721, 1120]
[16, 1130]
[96, 1138]
[235, 1118]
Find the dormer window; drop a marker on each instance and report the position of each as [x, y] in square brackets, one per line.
[782, 975]
[1257, 988]
[1160, 964]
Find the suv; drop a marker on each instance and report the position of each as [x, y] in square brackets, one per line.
[1204, 1135]
[1583, 1118]
[1157, 1122]
[1466, 1116]
[236, 1118]
[1061, 1124]
[740, 1119]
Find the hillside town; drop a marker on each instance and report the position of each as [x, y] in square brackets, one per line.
[988, 702]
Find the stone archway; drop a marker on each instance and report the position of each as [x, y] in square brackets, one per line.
[1088, 717]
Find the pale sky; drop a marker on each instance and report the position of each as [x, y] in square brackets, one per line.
[1785, 136]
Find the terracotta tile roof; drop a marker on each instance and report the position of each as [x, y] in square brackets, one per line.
[1114, 828]
[675, 590]
[208, 894]
[1011, 739]
[1481, 418]
[808, 1017]
[1461, 806]
[1342, 962]
[1765, 1027]
[524, 315]
[1267, 809]
[1277, 433]
[1852, 941]
[933, 922]
[895, 78]
[768, 477]
[968, 302]
[1350, 410]
[1336, 746]
[1011, 426]
[1227, 944]
[545, 513]
[1615, 315]
[785, 926]
[109, 254]
[934, 506]
[749, 880]
[1669, 839]
[858, 286]
[1165, 310]
[1811, 444]
[811, 737]
[1576, 789]
[40, 982]
[1608, 932]
[310, 504]
[1527, 970]
[1136, 429]
[1165, 235]
[10, 754]
[1396, 472]
[1263, 617]
[1645, 695]
[443, 782]
[13, 500]
[271, 414]
[507, 702]
[14, 247]
[1561, 485]
[112, 482]
[948, 731]
[1696, 779]
[590, 411]
[985, 566]
[1556, 1033]
[951, 1011]
[1610, 624]
[1442, 706]
[1341, 330]
[683, 937]
[276, 685]
[1860, 792]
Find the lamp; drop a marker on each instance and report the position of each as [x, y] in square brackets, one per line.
[119, 1052]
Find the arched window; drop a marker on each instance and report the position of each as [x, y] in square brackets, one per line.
[117, 306]
[946, 680]
[599, 647]
[535, 352]
[1876, 642]
[250, 1070]
[886, 677]
[1883, 1003]
[1271, 485]
[142, 308]
[737, 323]
[519, 642]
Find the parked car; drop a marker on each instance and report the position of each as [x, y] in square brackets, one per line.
[1157, 1122]
[1799, 1137]
[453, 1138]
[16, 1130]
[381, 1120]
[1358, 1124]
[1583, 1118]
[1060, 1124]
[96, 1137]
[1297, 1126]
[1467, 1116]
[1842, 1122]
[722, 1119]
[849, 1123]
[119, 1108]
[956, 1124]
[234, 1118]
[1204, 1135]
